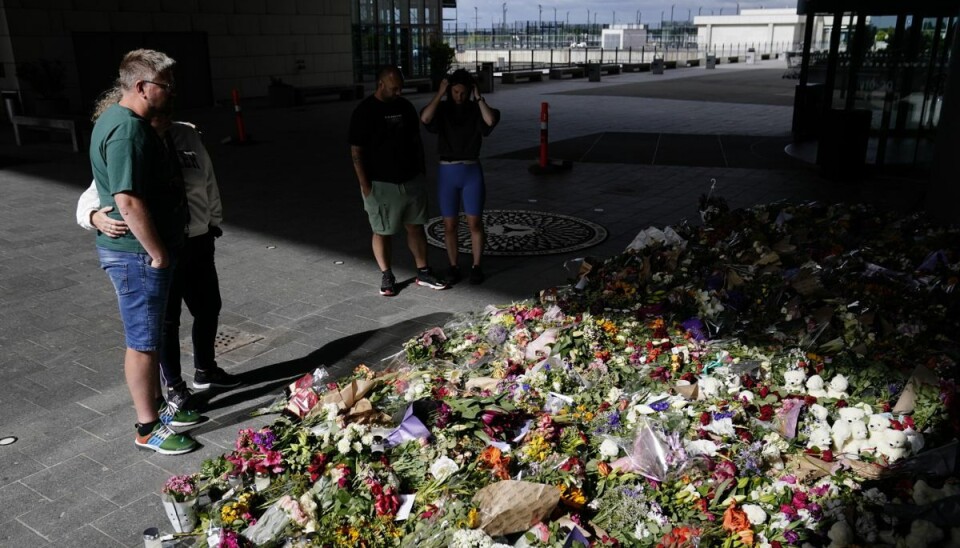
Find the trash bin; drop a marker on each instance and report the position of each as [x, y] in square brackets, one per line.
[842, 148]
[656, 66]
[751, 56]
[807, 107]
[711, 61]
[485, 78]
[593, 72]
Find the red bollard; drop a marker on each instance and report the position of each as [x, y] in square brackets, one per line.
[544, 118]
[241, 132]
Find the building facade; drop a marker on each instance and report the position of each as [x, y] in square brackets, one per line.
[220, 45]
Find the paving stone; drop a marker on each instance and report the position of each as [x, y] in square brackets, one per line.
[66, 514]
[58, 447]
[88, 535]
[16, 466]
[18, 534]
[64, 478]
[129, 484]
[18, 499]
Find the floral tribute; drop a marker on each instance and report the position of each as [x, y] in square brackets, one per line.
[780, 376]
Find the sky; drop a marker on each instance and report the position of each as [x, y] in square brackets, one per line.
[649, 11]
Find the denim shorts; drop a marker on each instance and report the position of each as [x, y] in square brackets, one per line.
[141, 293]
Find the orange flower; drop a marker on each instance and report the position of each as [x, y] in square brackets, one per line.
[490, 456]
[572, 496]
[746, 537]
[735, 519]
[604, 469]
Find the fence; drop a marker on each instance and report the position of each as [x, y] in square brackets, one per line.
[519, 59]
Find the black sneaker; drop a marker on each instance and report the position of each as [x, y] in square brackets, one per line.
[179, 395]
[453, 275]
[476, 275]
[426, 278]
[214, 377]
[388, 285]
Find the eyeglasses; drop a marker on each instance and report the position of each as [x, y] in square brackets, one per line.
[166, 87]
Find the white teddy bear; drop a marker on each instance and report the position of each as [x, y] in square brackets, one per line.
[877, 424]
[923, 533]
[793, 381]
[842, 429]
[924, 494]
[914, 440]
[734, 384]
[858, 440]
[815, 387]
[709, 387]
[893, 445]
[841, 535]
[819, 413]
[819, 437]
[837, 388]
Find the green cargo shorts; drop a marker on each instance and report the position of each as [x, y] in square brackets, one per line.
[390, 206]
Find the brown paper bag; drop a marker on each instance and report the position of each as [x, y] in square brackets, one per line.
[512, 506]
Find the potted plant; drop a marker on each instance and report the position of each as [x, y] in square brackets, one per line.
[46, 79]
[281, 94]
[179, 496]
[441, 59]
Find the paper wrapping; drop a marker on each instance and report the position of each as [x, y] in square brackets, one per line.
[512, 506]
[908, 398]
[350, 394]
[808, 469]
[483, 383]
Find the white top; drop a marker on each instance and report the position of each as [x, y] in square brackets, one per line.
[203, 194]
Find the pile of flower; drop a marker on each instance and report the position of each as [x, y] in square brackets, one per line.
[782, 375]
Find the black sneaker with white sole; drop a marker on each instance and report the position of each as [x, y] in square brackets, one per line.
[214, 377]
[388, 284]
[426, 278]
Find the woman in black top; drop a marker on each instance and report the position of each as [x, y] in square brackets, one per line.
[460, 123]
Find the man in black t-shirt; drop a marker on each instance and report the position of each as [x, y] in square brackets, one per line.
[388, 158]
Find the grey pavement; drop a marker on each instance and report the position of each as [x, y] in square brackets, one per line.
[297, 273]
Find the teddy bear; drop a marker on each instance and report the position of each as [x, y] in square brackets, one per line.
[819, 437]
[841, 430]
[877, 424]
[840, 535]
[819, 414]
[858, 440]
[709, 387]
[924, 494]
[837, 388]
[893, 445]
[815, 387]
[793, 381]
[923, 533]
[914, 440]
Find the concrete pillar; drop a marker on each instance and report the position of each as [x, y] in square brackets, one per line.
[943, 191]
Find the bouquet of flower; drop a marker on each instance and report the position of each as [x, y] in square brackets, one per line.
[181, 488]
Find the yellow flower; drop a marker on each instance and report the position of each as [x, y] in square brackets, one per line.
[508, 320]
[229, 513]
[473, 518]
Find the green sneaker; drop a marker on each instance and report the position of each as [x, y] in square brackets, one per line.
[170, 415]
[165, 441]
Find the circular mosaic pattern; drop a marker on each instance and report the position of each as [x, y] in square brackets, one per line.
[521, 232]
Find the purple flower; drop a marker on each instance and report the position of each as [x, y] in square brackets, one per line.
[265, 439]
[614, 420]
[791, 537]
[660, 405]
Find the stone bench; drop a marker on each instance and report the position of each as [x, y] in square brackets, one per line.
[693, 62]
[512, 76]
[573, 72]
[38, 122]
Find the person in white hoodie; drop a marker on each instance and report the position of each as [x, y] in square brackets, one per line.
[195, 281]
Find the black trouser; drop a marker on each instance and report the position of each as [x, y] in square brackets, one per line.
[195, 283]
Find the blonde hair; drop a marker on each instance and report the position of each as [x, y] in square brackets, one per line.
[142, 64]
[106, 100]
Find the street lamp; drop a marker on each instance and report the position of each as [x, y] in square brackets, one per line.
[671, 13]
[540, 24]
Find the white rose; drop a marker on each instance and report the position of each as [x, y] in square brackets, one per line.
[609, 448]
[755, 514]
[343, 446]
[357, 446]
[443, 468]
